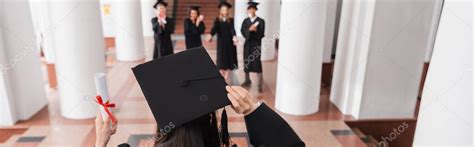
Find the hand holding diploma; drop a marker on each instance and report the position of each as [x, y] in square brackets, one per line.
[253, 27]
[105, 122]
[102, 97]
[104, 129]
[105, 107]
[256, 24]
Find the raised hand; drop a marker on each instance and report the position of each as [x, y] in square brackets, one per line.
[103, 130]
[242, 101]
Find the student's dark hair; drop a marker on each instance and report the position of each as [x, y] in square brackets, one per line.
[201, 132]
[198, 12]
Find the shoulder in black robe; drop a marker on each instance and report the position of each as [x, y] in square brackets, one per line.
[226, 50]
[252, 45]
[163, 44]
[267, 129]
[193, 33]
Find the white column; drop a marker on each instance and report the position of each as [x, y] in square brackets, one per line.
[108, 22]
[129, 42]
[445, 116]
[348, 30]
[378, 68]
[22, 92]
[269, 10]
[147, 14]
[434, 25]
[80, 54]
[44, 28]
[7, 107]
[300, 56]
[240, 13]
[329, 30]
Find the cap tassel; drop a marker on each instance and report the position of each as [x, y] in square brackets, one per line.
[224, 129]
[214, 131]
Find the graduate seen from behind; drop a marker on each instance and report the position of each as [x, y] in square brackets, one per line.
[163, 27]
[226, 41]
[253, 29]
[193, 28]
[185, 96]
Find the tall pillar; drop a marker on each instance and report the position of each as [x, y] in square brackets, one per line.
[8, 115]
[269, 10]
[445, 116]
[129, 42]
[80, 52]
[434, 24]
[22, 92]
[300, 56]
[379, 65]
[343, 66]
[43, 28]
[329, 31]
[147, 14]
[108, 22]
[240, 13]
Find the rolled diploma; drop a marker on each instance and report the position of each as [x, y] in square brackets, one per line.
[256, 23]
[101, 88]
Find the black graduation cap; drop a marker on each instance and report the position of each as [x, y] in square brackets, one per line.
[224, 3]
[252, 4]
[160, 2]
[182, 87]
[195, 8]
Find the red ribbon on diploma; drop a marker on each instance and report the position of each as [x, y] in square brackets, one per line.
[106, 106]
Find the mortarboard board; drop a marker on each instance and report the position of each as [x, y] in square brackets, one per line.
[160, 2]
[224, 3]
[182, 87]
[252, 4]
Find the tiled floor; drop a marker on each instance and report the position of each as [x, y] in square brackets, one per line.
[47, 128]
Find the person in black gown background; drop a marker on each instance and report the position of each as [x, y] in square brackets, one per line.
[163, 26]
[193, 28]
[253, 30]
[226, 41]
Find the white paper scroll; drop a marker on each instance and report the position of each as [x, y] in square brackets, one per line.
[256, 23]
[101, 87]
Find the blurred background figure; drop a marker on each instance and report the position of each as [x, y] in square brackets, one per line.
[226, 41]
[194, 27]
[253, 30]
[163, 26]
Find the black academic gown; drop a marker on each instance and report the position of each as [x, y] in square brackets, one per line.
[268, 129]
[226, 50]
[163, 43]
[252, 45]
[193, 33]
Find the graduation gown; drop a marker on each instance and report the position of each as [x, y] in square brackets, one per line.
[193, 33]
[267, 129]
[163, 44]
[252, 45]
[226, 50]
